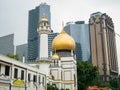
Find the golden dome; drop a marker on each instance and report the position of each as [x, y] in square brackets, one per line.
[63, 42]
[44, 18]
[55, 56]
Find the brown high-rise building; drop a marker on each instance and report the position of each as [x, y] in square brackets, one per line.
[103, 45]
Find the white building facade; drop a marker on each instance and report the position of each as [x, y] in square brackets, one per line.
[15, 75]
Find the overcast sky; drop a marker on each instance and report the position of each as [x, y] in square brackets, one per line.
[14, 15]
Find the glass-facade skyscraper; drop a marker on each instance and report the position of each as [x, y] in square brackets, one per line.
[50, 39]
[7, 44]
[80, 32]
[21, 51]
[35, 16]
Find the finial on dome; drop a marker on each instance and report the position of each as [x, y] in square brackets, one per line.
[44, 16]
[62, 24]
[63, 31]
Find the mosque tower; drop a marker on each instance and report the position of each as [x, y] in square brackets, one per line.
[63, 70]
[43, 61]
[43, 30]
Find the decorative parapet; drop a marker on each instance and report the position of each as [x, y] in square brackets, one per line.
[44, 31]
[43, 60]
[4, 79]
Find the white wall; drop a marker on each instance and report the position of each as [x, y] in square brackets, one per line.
[43, 46]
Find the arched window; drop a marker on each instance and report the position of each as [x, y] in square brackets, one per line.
[44, 24]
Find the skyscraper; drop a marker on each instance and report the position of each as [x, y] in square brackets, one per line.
[21, 51]
[80, 32]
[103, 45]
[50, 39]
[35, 16]
[7, 44]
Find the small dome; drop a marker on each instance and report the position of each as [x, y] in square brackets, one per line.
[55, 56]
[44, 18]
[63, 42]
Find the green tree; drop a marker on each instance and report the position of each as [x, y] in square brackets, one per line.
[52, 87]
[119, 82]
[87, 75]
[104, 84]
[65, 89]
[62, 89]
[114, 82]
[10, 55]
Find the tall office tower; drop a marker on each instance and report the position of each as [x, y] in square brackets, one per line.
[35, 16]
[103, 45]
[80, 32]
[21, 51]
[7, 44]
[50, 39]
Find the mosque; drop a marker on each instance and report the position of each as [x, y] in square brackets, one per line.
[60, 69]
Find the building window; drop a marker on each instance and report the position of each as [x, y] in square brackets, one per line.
[43, 80]
[29, 76]
[15, 73]
[7, 69]
[39, 80]
[74, 80]
[44, 24]
[22, 74]
[34, 78]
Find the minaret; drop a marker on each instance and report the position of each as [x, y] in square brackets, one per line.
[43, 30]
[43, 61]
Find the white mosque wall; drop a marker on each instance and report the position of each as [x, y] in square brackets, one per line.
[64, 73]
[17, 88]
[44, 67]
[4, 86]
[68, 71]
[43, 46]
